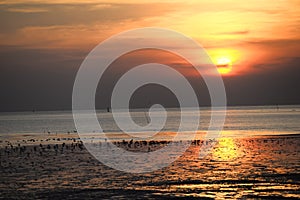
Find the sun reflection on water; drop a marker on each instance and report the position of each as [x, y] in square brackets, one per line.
[226, 150]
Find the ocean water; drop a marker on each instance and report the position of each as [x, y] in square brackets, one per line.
[257, 159]
[240, 121]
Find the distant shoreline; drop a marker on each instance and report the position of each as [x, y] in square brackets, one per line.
[104, 109]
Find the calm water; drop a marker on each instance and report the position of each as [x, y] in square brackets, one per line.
[239, 121]
[262, 167]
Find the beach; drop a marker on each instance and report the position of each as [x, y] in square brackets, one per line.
[149, 99]
[256, 156]
[258, 167]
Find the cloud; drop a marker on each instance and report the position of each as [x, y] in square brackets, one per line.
[43, 79]
[287, 47]
[101, 6]
[15, 2]
[283, 62]
[27, 10]
[234, 33]
[274, 42]
[14, 17]
[73, 25]
[275, 84]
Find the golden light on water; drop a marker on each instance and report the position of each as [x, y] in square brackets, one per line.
[226, 150]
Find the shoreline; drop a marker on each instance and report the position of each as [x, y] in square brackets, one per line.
[37, 138]
[236, 168]
[142, 108]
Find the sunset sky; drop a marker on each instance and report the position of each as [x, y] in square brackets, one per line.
[43, 43]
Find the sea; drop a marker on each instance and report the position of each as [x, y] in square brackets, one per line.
[240, 121]
[256, 157]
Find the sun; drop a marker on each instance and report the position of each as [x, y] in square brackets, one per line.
[226, 60]
[224, 65]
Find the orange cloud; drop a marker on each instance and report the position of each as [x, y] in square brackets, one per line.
[247, 33]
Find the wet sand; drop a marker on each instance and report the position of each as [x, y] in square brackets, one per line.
[264, 167]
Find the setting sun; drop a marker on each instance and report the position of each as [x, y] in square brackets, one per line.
[224, 65]
[225, 59]
[144, 99]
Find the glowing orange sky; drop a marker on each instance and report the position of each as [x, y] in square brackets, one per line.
[247, 33]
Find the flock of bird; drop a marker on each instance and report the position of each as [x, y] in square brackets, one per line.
[60, 145]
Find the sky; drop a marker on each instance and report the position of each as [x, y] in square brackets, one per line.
[254, 43]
